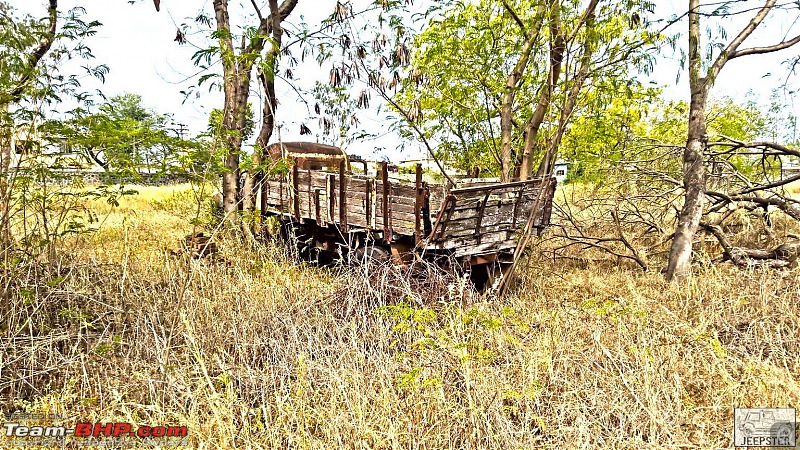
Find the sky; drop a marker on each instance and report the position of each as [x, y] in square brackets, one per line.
[137, 43]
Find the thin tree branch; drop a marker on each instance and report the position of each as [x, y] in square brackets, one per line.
[36, 56]
[515, 17]
[258, 10]
[723, 57]
[768, 49]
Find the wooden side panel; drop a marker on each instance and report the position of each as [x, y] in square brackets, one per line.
[487, 218]
[481, 219]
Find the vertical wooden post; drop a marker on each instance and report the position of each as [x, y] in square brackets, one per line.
[331, 198]
[310, 193]
[387, 215]
[281, 205]
[476, 172]
[264, 195]
[317, 207]
[342, 197]
[418, 203]
[373, 202]
[368, 203]
[295, 191]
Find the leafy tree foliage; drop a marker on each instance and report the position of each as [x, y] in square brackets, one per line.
[215, 125]
[543, 63]
[33, 191]
[122, 137]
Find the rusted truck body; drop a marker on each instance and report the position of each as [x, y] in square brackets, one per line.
[473, 227]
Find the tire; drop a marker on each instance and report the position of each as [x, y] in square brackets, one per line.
[299, 242]
[487, 276]
[370, 254]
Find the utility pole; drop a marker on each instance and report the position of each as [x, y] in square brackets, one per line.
[181, 130]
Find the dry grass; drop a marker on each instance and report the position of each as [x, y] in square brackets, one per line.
[254, 351]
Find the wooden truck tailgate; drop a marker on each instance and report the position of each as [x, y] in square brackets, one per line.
[487, 218]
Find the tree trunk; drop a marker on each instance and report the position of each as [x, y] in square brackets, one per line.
[510, 92]
[237, 72]
[233, 123]
[250, 188]
[253, 179]
[548, 162]
[694, 174]
[6, 131]
[694, 182]
[557, 49]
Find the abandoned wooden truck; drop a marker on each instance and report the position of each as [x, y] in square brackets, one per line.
[334, 212]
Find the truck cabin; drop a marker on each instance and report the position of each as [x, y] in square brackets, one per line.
[311, 156]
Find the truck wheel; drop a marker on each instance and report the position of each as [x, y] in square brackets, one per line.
[487, 276]
[371, 254]
[297, 239]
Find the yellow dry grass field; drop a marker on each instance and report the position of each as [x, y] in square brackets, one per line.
[253, 350]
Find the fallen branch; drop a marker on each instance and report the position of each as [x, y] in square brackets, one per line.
[782, 256]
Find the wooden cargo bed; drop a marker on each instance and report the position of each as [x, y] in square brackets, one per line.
[477, 219]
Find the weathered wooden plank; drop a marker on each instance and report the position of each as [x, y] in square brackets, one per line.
[490, 247]
[295, 192]
[373, 204]
[330, 189]
[505, 210]
[472, 241]
[317, 215]
[418, 203]
[486, 229]
[514, 184]
[497, 196]
[386, 188]
[342, 197]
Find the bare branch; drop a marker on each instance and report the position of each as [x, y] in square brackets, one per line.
[258, 10]
[723, 57]
[587, 13]
[768, 49]
[515, 17]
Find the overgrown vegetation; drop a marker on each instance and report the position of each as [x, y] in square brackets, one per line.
[255, 351]
[109, 314]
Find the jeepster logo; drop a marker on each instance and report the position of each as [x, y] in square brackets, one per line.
[764, 427]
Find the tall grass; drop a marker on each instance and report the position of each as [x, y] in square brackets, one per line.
[252, 350]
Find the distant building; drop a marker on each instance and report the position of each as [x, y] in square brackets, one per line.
[560, 170]
[428, 165]
[30, 150]
[790, 167]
